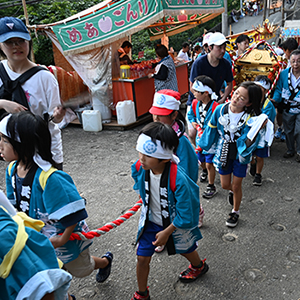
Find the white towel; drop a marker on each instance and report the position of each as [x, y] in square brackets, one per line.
[256, 123]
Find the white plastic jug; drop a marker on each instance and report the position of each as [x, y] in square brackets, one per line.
[91, 120]
[104, 110]
[125, 112]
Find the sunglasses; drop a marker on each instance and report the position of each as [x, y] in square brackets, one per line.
[11, 43]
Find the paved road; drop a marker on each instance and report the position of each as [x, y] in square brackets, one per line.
[259, 259]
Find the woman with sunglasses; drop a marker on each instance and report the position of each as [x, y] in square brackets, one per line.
[41, 89]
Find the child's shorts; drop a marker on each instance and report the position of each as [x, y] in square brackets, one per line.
[235, 167]
[263, 152]
[145, 246]
[205, 157]
[82, 266]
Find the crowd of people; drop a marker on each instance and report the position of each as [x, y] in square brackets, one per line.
[223, 132]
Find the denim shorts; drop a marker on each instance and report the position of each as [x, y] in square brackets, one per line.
[263, 152]
[145, 246]
[235, 167]
[205, 157]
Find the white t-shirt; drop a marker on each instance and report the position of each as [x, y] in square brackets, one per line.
[183, 55]
[155, 208]
[42, 92]
[234, 119]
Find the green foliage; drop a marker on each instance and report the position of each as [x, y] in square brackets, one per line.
[45, 12]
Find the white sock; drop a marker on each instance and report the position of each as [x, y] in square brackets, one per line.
[234, 211]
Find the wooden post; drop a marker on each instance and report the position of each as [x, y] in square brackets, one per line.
[27, 24]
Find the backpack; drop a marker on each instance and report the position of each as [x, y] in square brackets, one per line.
[173, 174]
[195, 102]
[43, 176]
[12, 89]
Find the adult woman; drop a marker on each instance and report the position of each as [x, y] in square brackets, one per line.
[165, 72]
[41, 89]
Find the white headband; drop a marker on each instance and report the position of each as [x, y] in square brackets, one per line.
[146, 146]
[37, 158]
[200, 87]
[263, 84]
[3, 130]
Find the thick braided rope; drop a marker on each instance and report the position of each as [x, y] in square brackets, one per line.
[108, 226]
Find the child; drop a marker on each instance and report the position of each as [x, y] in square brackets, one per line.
[170, 210]
[228, 126]
[200, 114]
[26, 139]
[263, 150]
[33, 272]
[165, 109]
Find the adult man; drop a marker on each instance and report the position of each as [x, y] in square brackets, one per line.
[242, 42]
[288, 91]
[183, 53]
[123, 53]
[216, 67]
[288, 46]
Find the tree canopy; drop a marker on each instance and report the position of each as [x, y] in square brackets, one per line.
[49, 11]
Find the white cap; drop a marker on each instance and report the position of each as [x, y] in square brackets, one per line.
[206, 38]
[218, 39]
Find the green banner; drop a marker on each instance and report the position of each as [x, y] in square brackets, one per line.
[108, 24]
[188, 5]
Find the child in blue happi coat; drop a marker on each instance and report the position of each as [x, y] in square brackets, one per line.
[199, 115]
[170, 210]
[29, 268]
[263, 149]
[165, 109]
[228, 127]
[44, 193]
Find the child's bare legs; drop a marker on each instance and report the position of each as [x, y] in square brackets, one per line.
[142, 272]
[259, 164]
[100, 263]
[193, 258]
[196, 269]
[211, 173]
[236, 187]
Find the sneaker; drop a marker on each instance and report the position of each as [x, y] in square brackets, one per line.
[159, 249]
[201, 216]
[283, 136]
[233, 220]
[203, 176]
[288, 155]
[257, 180]
[252, 170]
[103, 274]
[138, 296]
[278, 132]
[298, 157]
[210, 192]
[191, 273]
[230, 198]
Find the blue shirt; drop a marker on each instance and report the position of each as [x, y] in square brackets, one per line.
[218, 74]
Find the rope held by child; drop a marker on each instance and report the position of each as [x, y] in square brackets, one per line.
[108, 226]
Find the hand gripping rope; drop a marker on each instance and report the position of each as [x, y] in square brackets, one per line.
[108, 226]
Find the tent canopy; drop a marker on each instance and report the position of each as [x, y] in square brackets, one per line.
[110, 21]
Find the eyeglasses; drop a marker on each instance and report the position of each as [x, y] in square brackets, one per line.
[11, 43]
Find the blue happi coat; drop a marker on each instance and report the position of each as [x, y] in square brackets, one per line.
[183, 207]
[214, 133]
[59, 199]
